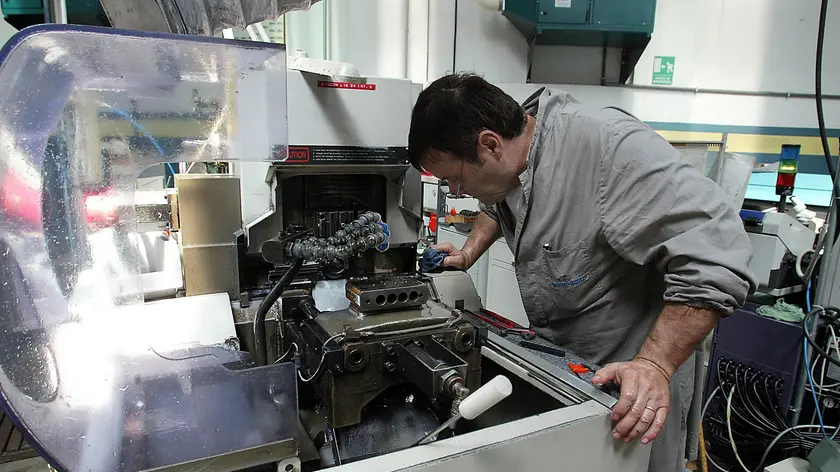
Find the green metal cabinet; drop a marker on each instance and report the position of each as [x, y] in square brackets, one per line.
[36, 7]
[627, 24]
[22, 7]
[570, 12]
[629, 15]
[634, 16]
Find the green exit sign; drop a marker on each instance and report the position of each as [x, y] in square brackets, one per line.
[663, 70]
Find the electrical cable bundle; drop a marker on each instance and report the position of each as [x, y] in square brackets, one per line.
[821, 387]
[833, 315]
[744, 414]
[745, 420]
[822, 393]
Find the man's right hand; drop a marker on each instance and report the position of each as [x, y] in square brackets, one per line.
[457, 258]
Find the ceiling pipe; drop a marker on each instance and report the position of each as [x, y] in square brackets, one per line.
[696, 90]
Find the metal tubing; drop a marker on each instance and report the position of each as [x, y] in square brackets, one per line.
[57, 11]
[801, 380]
[828, 266]
[722, 91]
[451, 421]
[722, 156]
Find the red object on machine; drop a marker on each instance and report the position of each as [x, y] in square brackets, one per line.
[20, 198]
[433, 222]
[101, 208]
[500, 322]
[578, 368]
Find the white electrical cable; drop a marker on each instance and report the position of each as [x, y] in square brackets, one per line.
[822, 378]
[837, 350]
[835, 343]
[777, 438]
[323, 358]
[732, 440]
[729, 429]
[703, 416]
[285, 354]
[825, 388]
[817, 252]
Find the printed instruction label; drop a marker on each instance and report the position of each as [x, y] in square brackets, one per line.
[663, 70]
[562, 3]
[345, 85]
[333, 155]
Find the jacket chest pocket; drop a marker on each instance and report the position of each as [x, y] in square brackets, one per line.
[570, 282]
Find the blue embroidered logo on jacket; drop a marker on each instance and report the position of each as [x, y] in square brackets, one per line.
[565, 282]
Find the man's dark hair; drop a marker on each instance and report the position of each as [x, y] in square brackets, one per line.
[453, 110]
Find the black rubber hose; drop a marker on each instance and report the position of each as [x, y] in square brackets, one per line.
[260, 350]
[806, 329]
[819, 98]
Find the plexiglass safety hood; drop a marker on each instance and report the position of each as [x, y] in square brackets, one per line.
[84, 111]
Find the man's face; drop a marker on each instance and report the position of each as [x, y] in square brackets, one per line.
[488, 182]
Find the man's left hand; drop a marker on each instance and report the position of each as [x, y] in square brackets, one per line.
[645, 398]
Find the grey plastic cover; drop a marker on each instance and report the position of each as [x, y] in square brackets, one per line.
[200, 17]
[84, 111]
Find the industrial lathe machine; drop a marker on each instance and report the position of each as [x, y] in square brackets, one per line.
[302, 339]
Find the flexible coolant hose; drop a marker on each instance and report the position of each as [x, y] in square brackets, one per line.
[260, 350]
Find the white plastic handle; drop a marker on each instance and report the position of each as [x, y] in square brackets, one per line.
[485, 397]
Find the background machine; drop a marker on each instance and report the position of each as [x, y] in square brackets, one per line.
[781, 244]
[307, 339]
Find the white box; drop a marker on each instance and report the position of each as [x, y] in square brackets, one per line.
[430, 196]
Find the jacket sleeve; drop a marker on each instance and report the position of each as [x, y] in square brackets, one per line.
[655, 208]
[490, 210]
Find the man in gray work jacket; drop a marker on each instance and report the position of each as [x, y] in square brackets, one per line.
[623, 253]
